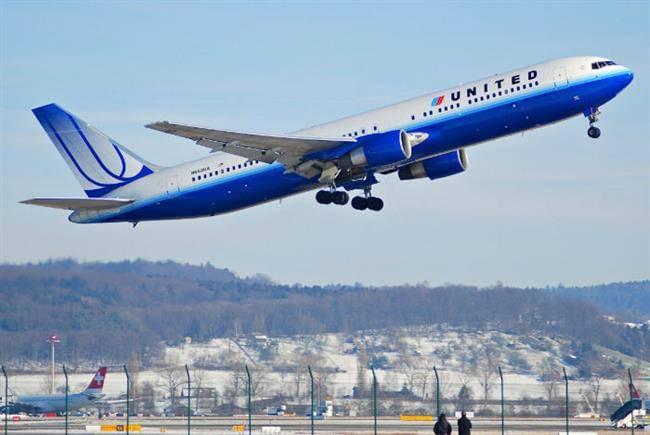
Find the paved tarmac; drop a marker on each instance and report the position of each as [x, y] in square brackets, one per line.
[297, 425]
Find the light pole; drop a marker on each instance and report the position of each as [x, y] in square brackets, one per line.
[128, 397]
[566, 401]
[503, 426]
[435, 370]
[4, 373]
[311, 377]
[65, 373]
[53, 339]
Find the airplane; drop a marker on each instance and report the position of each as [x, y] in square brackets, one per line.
[421, 138]
[56, 403]
[632, 412]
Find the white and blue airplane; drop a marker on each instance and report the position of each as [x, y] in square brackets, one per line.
[56, 403]
[424, 137]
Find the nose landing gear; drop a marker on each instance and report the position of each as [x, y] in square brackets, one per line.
[593, 131]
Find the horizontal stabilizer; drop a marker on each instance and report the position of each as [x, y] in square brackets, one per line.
[78, 203]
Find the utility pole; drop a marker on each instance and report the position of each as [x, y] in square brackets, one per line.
[53, 339]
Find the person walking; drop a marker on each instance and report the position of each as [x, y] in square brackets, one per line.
[442, 426]
[464, 425]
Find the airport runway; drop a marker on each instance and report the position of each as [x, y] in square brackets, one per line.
[296, 425]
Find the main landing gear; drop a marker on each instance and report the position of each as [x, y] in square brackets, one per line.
[358, 202]
[593, 131]
[332, 197]
[367, 202]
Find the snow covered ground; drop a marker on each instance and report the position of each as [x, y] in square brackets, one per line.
[404, 356]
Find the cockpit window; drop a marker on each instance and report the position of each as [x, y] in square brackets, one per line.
[602, 64]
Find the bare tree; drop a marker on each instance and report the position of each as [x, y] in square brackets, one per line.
[595, 385]
[148, 396]
[134, 372]
[197, 380]
[172, 380]
[485, 372]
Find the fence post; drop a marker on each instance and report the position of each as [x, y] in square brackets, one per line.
[566, 400]
[503, 429]
[311, 377]
[435, 370]
[4, 373]
[65, 373]
[189, 400]
[374, 396]
[250, 405]
[128, 397]
[631, 386]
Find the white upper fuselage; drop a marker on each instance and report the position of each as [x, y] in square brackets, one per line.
[402, 115]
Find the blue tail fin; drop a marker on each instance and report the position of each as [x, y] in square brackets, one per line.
[100, 164]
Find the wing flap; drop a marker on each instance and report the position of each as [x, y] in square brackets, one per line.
[78, 203]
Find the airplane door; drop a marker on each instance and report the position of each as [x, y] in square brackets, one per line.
[560, 78]
[172, 185]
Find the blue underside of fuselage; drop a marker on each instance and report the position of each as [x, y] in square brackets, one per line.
[468, 125]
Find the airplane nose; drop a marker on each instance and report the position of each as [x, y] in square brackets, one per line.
[629, 76]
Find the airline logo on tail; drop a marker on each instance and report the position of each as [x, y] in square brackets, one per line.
[100, 164]
[97, 383]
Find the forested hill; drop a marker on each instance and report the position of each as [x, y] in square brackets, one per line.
[105, 311]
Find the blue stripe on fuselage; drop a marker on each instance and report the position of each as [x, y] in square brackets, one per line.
[466, 126]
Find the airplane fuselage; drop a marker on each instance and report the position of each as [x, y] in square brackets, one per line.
[453, 118]
[53, 403]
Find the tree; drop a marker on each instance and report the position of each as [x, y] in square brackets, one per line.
[148, 396]
[134, 370]
[197, 381]
[485, 371]
[595, 384]
[172, 379]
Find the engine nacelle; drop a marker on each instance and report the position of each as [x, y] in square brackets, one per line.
[440, 166]
[382, 149]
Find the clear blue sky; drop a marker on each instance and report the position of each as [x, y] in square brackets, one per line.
[545, 207]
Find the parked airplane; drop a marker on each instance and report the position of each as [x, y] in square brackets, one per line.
[424, 137]
[56, 403]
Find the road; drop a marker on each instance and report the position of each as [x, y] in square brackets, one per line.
[296, 425]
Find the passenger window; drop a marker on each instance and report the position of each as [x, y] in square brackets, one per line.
[536, 83]
[374, 128]
[356, 133]
[457, 104]
[469, 101]
[424, 114]
[494, 94]
[481, 98]
[193, 179]
[439, 110]
[518, 88]
[413, 117]
[499, 93]
[363, 131]
[487, 97]
[430, 112]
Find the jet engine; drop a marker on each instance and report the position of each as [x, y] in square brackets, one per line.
[382, 149]
[436, 167]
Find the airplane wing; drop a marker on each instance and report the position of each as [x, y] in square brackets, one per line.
[292, 151]
[78, 203]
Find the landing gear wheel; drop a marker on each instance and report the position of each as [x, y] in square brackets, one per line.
[324, 197]
[593, 132]
[340, 198]
[375, 203]
[359, 203]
